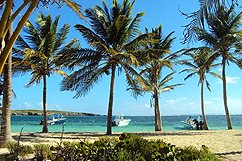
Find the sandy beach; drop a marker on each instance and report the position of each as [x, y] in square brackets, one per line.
[227, 144]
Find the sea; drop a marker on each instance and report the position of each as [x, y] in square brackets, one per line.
[137, 124]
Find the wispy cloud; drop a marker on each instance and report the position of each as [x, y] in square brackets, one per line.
[173, 102]
[232, 80]
[55, 107]
[189, 104]
[40, 104]
[208, 102]
[25, 105]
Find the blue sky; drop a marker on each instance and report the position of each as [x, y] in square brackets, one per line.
[182, 100]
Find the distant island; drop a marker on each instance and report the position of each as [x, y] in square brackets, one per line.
[50, 112]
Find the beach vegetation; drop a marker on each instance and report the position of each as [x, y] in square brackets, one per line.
[198, 64]
[151, 78]
[126, 147]
[37, 52]
[18, 150]
[113, 38]
[42, 152]
[217, 24]
[132, 147]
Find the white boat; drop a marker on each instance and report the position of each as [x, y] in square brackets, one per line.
[194, 122]
[56, 119]
[120, 121]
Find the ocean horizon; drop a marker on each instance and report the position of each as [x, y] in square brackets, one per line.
[137, 124]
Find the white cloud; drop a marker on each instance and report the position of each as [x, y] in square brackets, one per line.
[25, 105]
[173, 102]
[208, 102]
[232, 80]
[146, 106]
[235, 102]
[40, 104]
[56, 107]
[189, 104]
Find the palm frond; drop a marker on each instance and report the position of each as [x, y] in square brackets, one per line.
[76, 7]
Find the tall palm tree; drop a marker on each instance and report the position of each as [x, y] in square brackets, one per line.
[28, 6]
[224, 36]
[38, 52]
[5, 134]
[157, 54]
[198, 64]
[112, 38]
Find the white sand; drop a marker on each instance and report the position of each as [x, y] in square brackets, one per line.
[227, 144]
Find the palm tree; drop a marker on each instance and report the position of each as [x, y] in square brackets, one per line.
[38, 52]
[157, 54]
[6, 46]
[28, 6]
[199, 65]
[5, 134]
[112, 39]
[224, 37]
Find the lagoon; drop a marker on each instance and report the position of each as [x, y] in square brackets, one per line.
[98, 123]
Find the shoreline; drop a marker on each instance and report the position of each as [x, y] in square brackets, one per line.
[227, 144]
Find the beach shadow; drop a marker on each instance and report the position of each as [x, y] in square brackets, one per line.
[45, 137]
[163, 133]
[229, 153]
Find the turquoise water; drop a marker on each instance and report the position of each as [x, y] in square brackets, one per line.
[98, 123]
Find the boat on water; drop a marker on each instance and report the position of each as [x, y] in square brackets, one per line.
[120, 121]
[194, 122]
[55, 119]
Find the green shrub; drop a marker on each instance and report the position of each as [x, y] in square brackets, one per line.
[42, 152]
[126, 147]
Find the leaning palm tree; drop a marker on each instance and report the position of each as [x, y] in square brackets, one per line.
[198, 64]
[5, 134]
[224, 36]
[28, 6]
[157, 54]
[6, 46]
[38, 51]
[112, 38]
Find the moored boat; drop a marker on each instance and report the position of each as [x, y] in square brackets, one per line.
[56, 119]
[194, 122]
[120, 121]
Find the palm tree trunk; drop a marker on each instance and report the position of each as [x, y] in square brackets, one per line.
[110, 105]
[45, 126]
[158, 124]
[6, 135]
[225, 95]
[202, 108]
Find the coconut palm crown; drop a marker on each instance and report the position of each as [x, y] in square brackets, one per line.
[113, 38]
[37, 52]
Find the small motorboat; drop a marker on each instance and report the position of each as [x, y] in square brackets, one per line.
[194, 122]
[56, 119]
[120, 121]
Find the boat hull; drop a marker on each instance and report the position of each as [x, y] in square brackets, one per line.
[124, 122]
[57, 121]
[188, 126]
